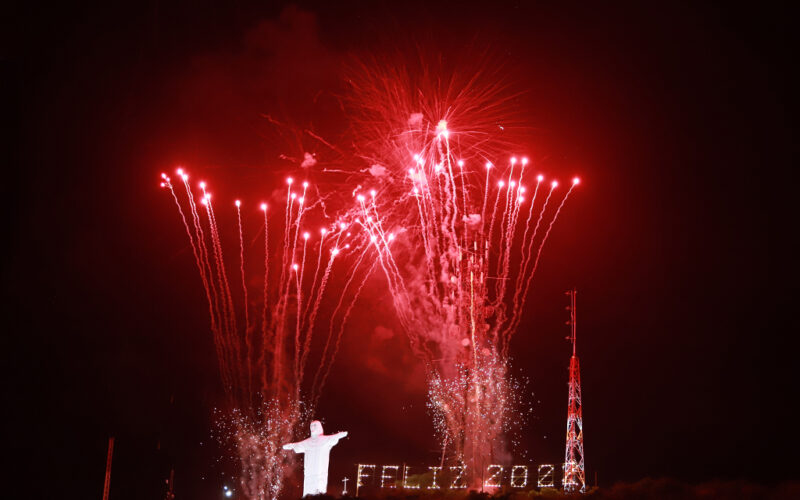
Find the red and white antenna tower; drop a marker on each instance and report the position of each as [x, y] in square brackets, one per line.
[574, 473]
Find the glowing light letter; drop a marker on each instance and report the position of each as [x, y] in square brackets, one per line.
[494, 479]
[545, 479]
[406, 485]
[519, 472]
[385, 476]
[433, 485]
[361, 475]
[457, 481]
[317, 449]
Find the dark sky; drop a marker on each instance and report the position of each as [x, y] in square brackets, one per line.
[676, 117]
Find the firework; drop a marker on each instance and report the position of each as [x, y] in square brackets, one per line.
[263, 357]
[458, 239]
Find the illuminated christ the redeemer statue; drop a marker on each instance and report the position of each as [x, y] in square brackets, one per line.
[317, 449]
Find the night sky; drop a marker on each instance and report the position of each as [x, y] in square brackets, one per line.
[677, 118]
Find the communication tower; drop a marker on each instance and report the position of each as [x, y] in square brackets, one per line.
[574, 473]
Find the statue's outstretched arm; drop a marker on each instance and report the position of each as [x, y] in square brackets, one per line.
[289, 446]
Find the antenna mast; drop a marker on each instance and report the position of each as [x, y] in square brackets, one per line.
[574, 473]
[109, 457]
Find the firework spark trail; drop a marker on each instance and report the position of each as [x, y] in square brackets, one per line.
[400, 300]
[511, 232]
[236, 339]
[509, 225]
[248, 343]
[241, 265]
[503, 270]
[342, 324]
[539, 180]
[296, 225]
[306, 235]
[227, 298]
[282, 283]
[279, 318]
[313, 316]
[464, 192]
[206, 202]
[385, 239]
[516, 311]
[200, 238]
[485, 198]
[211, 290]
[433, 209]
[517, 304]
[199, 263]
[518, 200]
[286, 228]
[424, 231]
[322, 375]
[505, 226]
[264, 331]
[373, 227]
[228, 325]
[285, 295]
[525, 256]
[397, 284]
[488, 242]
[297, 339]
[517, 319]
[299, 274]
[200, 266]
[453, 200]
[323, 232]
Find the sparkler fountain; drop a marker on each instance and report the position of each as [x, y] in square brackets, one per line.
[263, 363]
[470, 240]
